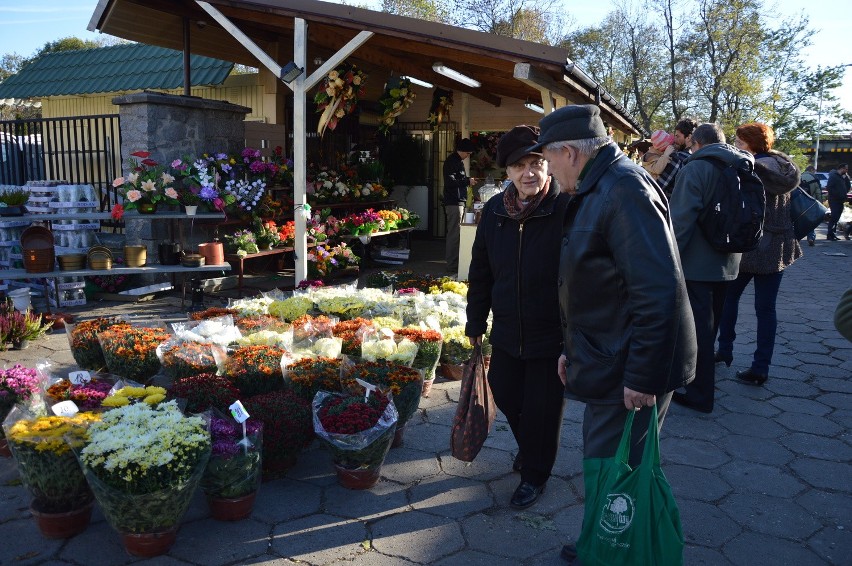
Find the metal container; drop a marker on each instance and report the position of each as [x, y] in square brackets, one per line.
[169, 253]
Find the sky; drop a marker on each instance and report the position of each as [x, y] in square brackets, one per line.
[26, 27]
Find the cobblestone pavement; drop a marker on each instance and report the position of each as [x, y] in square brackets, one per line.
[765, 479]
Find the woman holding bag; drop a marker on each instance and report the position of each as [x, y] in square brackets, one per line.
[513, 274]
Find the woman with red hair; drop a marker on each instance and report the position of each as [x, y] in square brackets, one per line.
[777, 249]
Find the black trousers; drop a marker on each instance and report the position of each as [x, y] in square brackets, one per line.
[836, 208]
[707, 299]
[530, 394]
[604, 424]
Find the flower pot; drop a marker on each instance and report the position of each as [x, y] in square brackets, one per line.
[213, 252]
[148, 545]
[397, 437]
[427, 387]
[146, 208]
[452, 371]
[362, 478]
[232, 509]
[17, 210]
[20, 345]
[62, 525]
[191, 210]
[4, 448]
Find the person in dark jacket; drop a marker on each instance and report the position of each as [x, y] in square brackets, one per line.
[513, 275]
[626, 320]
[837, 187]
[456, 183]
[778, 249]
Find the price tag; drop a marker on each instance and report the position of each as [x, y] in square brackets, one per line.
[239, 412]
[79, 377]
[386, 332]
[65, 409]
[368, 387]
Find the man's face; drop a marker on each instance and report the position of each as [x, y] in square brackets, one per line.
[681, 141]
[529, 175]
[565, 165]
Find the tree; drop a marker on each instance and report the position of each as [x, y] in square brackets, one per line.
[428, 10]
[10, 64]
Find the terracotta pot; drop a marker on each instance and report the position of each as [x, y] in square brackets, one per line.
[146, 208]
[427, 387]
[452, 371]
[398, 437]
[62, 525]
[213, 252]
[4, 448]
[358, 479]
[232, 509]
[148, 545]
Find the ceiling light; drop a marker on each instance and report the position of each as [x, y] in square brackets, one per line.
[533, 106]
[417, 81]
[290, 71]
[455, 75]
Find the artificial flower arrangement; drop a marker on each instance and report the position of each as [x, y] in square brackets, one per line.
[406, 218]
[146, 184]
[246, 194]
[390, 218]
[243, 242]
[198, 181]
[287, 430]
[18, 384]
[134, 393]
[87, 395]
[357, 429]
[327, 185]
[307, 376]
[405, 384]
[42, 449]
[287, 234]
[83, 339]
[338, 95]
[325, 259]
[131, 351]
[143, 464]
[254, 369]
[396, 99]
[442, 102]
[203, 391]
[233, 469]
[282, 173]
[363, 223]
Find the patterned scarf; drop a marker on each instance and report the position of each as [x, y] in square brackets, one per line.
[515, 210]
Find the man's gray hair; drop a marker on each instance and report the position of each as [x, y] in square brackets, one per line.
[708, 133]
[585, 146]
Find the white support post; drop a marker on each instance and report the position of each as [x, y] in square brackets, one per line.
[300, 180]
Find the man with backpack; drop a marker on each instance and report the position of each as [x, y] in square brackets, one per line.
[810, 184]
[706, 269]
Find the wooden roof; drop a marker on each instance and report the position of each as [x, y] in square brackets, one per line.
[406, 45]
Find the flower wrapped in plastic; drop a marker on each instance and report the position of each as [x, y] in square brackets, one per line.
[307, 376]
[429, 343]
[251, 323]
[252, 369]
[83, 339]
[41, 446]
[87, 394]
[126, 393]
[343, 301]
[352, 332]
[18, 384]
[251, 306]
[131, 351]
[457, 349]
[143, 463]
[291, 308]
[405, 384]
[203, 391]
[212, 312]
[308, 326]
[287, 427]
[356, 429]
[317, 347]
[233, 469]
[182, 359]
[385, 345]
[220, 330]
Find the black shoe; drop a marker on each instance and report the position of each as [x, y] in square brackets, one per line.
[680, 399]
[752, 377]
[720, 357]
[526, 495]
[517, 463]
[832, 238]
[569, 552]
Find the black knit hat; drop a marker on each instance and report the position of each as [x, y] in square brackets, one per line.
[574, 122]
[465, 145]
[516, 144]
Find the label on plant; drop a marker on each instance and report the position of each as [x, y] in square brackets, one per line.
[65, 409]
[368, 387]
[386, 333]
[79, 377]
[239, 412]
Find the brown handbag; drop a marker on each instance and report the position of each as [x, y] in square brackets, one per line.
[475, 412]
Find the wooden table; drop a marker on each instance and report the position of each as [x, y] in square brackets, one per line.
[238, 262]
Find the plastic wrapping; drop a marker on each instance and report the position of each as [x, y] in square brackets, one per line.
[383, 344]
[252, 369]
[131, 351]
[86, 394]
[83, 340]
[219, 330]
[429, 344]
[405, 384]
[234, 467]
[181, 359]
[308, 376]
[21, 385]
[127, 392]
[291, 308]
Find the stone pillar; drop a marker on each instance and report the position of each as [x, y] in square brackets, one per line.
[169, 127]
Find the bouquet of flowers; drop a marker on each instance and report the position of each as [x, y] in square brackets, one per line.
[291, 308]
[243, 242]
[233, 469]
[429, 344]
[352, 333]
[254, 369]
[18, 384]
[86, 395]
[325, 259]
[198, 181]
[327, 185]
[184, 358]
[283, 171]
[385, 345]
[404, 383]
[134, 393]
[249, 324]
[42, 449]
[287, 430]
[406, 218]
[338, 95]
[309, 375]
[396, 99]
[131, 351]
[265, 233]
[83, 339]
[365, 222]
[147, 183]
[143, 464]
[390, 218]
[246, 194]
[203, 391]
[358, 431]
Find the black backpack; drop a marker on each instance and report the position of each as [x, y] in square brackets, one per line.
[733, 221]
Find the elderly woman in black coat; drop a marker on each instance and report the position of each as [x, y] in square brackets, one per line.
[513, 274]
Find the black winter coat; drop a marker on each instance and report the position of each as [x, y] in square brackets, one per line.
[513, 273]
[625, 312]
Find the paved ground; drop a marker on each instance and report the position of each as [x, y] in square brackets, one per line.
[765, 480]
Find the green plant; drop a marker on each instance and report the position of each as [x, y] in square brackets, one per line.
[34, 326]
[15, 197]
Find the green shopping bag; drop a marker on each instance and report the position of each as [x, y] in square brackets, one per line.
[631, 515]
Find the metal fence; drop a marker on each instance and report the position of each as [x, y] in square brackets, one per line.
[80, 150]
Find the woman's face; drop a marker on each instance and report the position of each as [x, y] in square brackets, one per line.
[529, 175]
[742, 145]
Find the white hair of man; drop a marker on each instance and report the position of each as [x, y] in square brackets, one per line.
[585, 146]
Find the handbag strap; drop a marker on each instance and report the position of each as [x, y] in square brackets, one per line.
[623, 453]
[651, 454]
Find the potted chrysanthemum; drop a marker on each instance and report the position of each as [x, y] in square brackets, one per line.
[286, 419]
[18, 384]
[143, 464]
[429, 343]
[131, 351]
[83, 339]
[307, 376]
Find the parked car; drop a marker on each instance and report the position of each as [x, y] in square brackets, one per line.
[823, 178]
